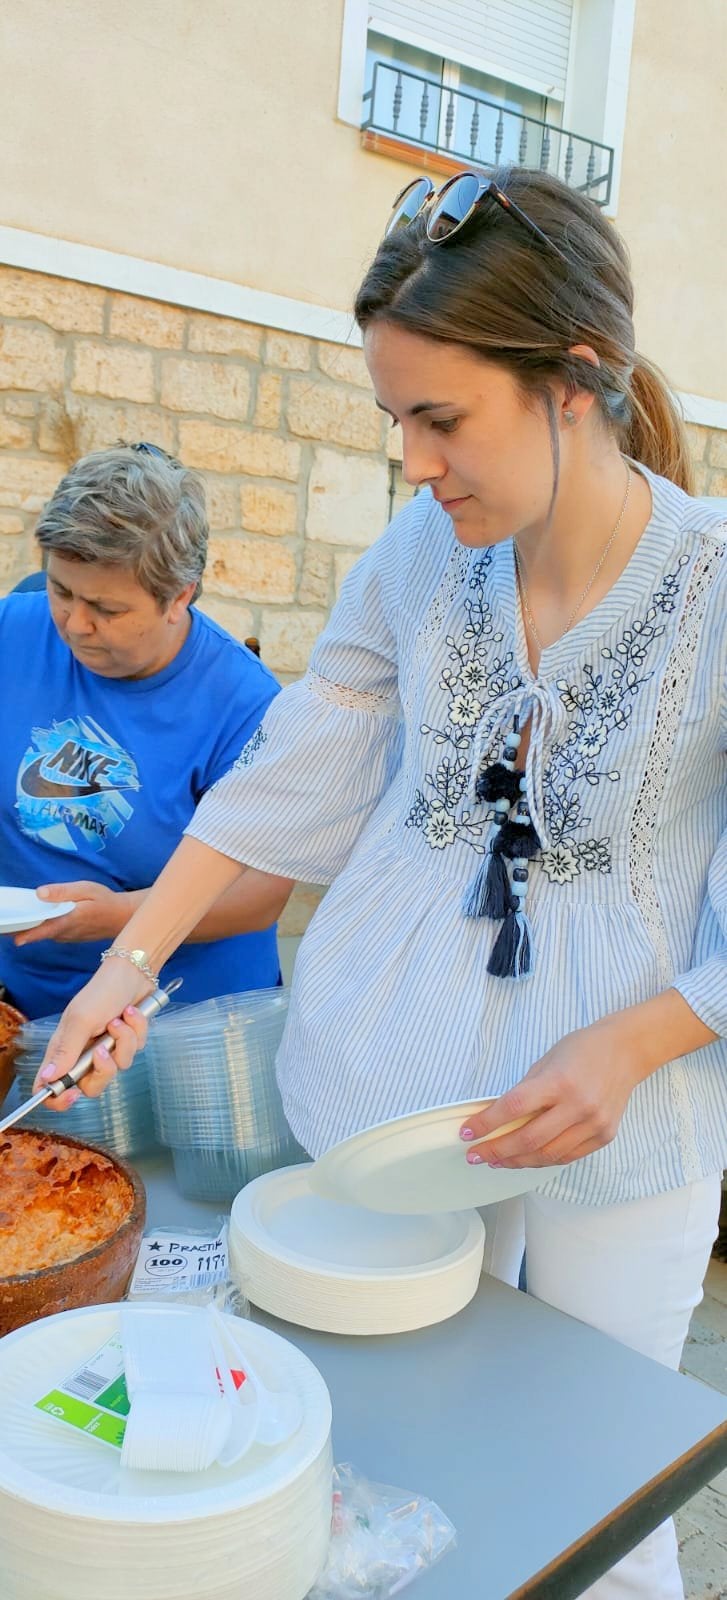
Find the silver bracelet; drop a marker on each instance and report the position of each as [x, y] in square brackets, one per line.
[138, 959]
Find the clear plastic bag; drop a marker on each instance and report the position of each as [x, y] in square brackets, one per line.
[187, 1267]
[381, 1539]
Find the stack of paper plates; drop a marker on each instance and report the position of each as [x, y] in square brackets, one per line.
[347, 1270]
[74, 1525]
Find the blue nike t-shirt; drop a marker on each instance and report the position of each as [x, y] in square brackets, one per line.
[98, 779]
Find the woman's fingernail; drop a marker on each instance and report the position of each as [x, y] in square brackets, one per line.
[474, 1158]
[117, 1023]
[73, 1096]
[466, 1133]
[103, 1053]
[49, 1073]
[42, 893]
[131, 1011]
[493, 1162]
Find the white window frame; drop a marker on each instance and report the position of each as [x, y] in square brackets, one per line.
[353, 74]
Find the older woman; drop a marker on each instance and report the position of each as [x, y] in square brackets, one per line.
[127, 705]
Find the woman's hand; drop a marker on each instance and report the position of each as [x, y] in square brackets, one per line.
[98, 913]
[105, 1005]
[574, 1098]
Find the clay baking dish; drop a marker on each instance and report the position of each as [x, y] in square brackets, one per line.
[11, 1022]
[101, 1274]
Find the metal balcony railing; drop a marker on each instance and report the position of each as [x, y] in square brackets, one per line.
[467, 127]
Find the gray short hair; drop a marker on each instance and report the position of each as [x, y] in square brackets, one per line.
[132, 506]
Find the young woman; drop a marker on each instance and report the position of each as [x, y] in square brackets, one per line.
[508, 758]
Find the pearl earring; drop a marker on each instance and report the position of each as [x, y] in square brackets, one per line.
[569, 417]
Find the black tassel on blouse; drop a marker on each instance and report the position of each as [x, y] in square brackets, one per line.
[492, 893]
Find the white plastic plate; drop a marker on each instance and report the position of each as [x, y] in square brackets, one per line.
[56, 1469]
[21, 909]
[417, 1164]
[282, 1216]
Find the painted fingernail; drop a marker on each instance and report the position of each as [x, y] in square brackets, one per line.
[48, 1073]
[493, 1162]
[131, 1011]
[466, 1133]
[73, 1096]
[117, 1023]
[103, 1053]
[474, 1158]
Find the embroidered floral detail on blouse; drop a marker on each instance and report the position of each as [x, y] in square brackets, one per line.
[599, 708]
[472, 679]
[249, 751]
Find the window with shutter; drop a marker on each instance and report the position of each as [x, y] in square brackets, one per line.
[524, 42]
[426, 88]
[445, 83]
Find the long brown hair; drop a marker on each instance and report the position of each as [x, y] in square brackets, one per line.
[501, 294]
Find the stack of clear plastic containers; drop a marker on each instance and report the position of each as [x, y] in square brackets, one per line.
[120, 1120]
[216, 1101]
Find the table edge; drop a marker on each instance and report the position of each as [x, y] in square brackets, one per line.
[583, 1562]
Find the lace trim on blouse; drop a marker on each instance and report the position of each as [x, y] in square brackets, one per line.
[450, 584]
[675, 684]
[340, 694]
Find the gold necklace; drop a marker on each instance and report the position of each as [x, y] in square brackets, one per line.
[574, 613]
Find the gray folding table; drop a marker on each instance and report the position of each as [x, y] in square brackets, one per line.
[553, 1449]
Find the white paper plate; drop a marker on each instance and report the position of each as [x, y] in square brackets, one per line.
[344, 1269]
[21, 909]
[282, 1216]
[54, 1468]
[417, 1164]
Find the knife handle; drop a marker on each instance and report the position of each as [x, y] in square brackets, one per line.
[149, 1007]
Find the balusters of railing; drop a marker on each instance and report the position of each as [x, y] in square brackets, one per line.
[523, 150]
[474, 131]
[424, 111]
[449, 121]
[538, 143]
[499, 138]
[398, 97]
[545, 150]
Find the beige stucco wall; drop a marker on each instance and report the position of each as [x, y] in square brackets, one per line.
[673, 201]
[205, 137]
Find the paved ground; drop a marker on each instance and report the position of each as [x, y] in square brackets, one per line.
[702, 1522]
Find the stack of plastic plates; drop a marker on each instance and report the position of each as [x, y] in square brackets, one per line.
[346, 1270]
[216, 1101]
[121, 1119]
[74, 1525]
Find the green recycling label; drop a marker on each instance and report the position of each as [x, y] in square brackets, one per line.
[94, 1398]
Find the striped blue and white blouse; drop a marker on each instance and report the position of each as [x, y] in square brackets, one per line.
[361, 776]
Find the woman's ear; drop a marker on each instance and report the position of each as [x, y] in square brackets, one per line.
[180, 603]
[584, 352]
[576, 403]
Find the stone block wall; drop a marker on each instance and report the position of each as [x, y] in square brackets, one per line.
[283, 429]
[294, 453]
[709, 453]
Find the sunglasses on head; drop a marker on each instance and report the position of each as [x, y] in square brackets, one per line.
[145, 449]
[449, 208]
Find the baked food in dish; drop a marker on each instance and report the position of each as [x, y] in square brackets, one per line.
[56, 1201]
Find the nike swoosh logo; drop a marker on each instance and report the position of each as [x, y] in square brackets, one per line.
[33, 783]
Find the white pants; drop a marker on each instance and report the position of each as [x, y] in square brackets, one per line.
[635, 1271]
